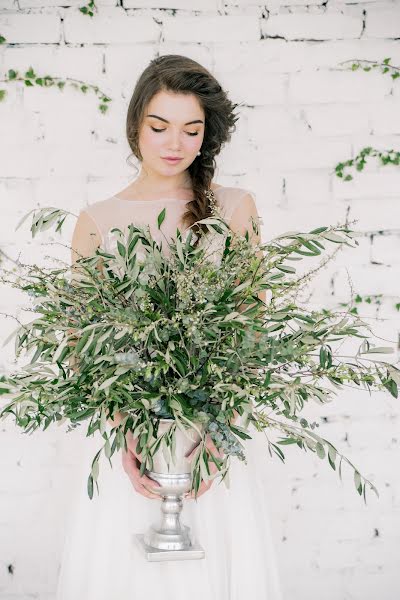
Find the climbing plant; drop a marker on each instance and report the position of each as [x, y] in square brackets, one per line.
[385, 157]
[369, 65]
[30, 78]
[89, 8]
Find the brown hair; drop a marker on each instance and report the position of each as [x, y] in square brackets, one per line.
[180, 74]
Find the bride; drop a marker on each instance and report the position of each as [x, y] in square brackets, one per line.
[178, 119]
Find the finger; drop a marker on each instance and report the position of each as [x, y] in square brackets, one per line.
[140, 484]
[140, 481]
[142, 490]
[148, 493]
[143, 478]
[211, 446]
[133, 465]
[148, 481]
[204, 487]
[131, 442]
[151, 493]
[189, 456]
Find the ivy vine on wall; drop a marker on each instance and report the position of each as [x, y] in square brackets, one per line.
[368, 65]
[30, 78]
[386, 157]
[89, 8]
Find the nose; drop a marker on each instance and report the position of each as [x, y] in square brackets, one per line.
[174, 140]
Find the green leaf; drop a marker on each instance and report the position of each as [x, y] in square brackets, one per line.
[286, 268]
[179, 250]
[287, 441]
[357, 481]
[103, 421]
[203, 467]
[392, 387]
[379, 350]
[333, 237]
[161, 217]
[121, 249]
[107, 449]
[320, 450]
[95, 470]
[331, 459]
[106, 384]
[319, 230]
[24, 219]
[30, 74]
[240, 432]
[90, 486]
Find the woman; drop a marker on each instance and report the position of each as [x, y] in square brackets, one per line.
[178, 119]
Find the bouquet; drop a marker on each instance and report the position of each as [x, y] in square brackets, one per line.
[185, 336]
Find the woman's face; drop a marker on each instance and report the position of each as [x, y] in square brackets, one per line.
[173, 125]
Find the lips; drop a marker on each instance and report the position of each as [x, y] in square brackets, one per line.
[171, 159]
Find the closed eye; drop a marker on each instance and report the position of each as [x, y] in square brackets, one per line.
[158, 130]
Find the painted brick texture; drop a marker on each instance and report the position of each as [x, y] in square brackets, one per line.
[301, 113]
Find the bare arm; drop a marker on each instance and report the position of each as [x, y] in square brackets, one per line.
[241, 222]
[85, 239]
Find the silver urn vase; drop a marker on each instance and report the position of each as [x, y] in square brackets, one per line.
[169, 539]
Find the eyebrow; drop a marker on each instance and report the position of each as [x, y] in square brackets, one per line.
[165, 120]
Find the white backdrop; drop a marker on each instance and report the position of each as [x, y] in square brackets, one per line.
[301, 114]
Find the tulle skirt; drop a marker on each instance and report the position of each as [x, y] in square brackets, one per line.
[101, 561]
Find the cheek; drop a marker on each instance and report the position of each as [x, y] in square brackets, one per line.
[193, 143]
[150, 140]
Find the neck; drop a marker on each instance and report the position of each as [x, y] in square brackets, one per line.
[152, 182]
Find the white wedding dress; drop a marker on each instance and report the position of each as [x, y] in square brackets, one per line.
[101, 561]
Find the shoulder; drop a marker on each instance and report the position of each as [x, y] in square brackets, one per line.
[88, 231]
[238, 206]
[239, 210]
[96, 209]
[98, 214]
[233, 196]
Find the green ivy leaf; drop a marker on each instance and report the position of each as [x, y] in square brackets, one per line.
[30, 74]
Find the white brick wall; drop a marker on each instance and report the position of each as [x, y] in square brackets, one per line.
[302, 114]
[328, 26]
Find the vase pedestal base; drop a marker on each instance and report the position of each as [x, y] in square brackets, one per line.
[195, 551]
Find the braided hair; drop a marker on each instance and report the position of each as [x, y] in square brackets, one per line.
[180, 74]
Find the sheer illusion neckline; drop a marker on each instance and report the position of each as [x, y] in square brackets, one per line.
[150, 201]
[161, 199]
